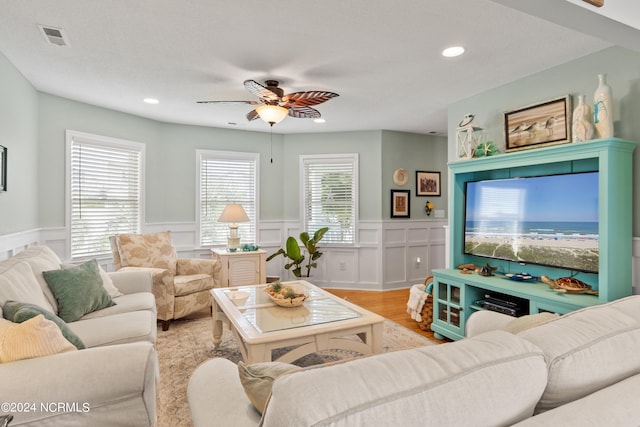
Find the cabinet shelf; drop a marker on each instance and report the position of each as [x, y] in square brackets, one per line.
[613, 158]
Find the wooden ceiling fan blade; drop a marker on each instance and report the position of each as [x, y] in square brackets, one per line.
[252, 115]
[304, 112]
[229, 102]
[260, 91]
[312, 97]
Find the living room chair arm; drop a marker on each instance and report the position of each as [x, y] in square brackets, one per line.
[98, 377]
[485, 321]
[129, 282]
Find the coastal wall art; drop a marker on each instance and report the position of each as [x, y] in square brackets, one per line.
[400, 207]
[538, 125]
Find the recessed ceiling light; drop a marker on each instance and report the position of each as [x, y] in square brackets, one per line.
[319, 120]
[151, 101]
[450, 52]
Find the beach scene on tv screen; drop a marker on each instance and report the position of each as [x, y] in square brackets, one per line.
[549, 220]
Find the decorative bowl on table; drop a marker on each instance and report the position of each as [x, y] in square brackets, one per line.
[285, 296]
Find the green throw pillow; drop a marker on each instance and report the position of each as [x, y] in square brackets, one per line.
[258, 378]
[78, 290]
[18, 312]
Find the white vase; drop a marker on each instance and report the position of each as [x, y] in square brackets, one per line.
[603, 109]
[581, 127]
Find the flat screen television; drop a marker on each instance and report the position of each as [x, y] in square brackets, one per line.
[547, 220]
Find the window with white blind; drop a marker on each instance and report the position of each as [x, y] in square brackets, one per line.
[330, 196]
[226, 177]
[104, 191]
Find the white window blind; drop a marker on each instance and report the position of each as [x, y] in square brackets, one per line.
[105, 191]
[223, 178]
[330, 196]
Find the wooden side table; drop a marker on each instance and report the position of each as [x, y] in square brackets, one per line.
[242, 267]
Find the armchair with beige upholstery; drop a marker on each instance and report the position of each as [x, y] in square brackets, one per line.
[181, 286]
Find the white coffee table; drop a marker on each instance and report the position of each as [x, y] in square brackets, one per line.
[321, 323]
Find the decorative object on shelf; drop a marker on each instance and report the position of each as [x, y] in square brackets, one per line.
[400, 177]
[596, 3]
[233, 213]
[538, 125]
[520, 277]
[486, 270]
[486, 149]
[3, 168]
[285, 296]
[581, 128]
[400, 207]
[468, 136]
[297, 258]
[570, 285]
[427, 183]
[428, 208]
[249, 248]
[603, 109]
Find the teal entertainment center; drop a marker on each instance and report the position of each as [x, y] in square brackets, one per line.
[456, 295]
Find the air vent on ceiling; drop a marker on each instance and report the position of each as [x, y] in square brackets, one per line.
[54, 35]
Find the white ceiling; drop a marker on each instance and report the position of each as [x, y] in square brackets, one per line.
[383, 58]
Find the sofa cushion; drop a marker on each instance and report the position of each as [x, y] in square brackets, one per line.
[19, 312]
[35, 337]
[147, 250]
[257, 379]
[616, 405]
[587, 350]
[529, 321]
[78, 290]
[18, 283]
[483, 374]
[121, 328]
[139, 301]
[41, 258]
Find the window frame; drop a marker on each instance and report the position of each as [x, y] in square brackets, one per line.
[71, 137]
[352, 158]
[226, 155]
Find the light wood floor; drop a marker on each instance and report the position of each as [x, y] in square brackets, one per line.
[389, 304]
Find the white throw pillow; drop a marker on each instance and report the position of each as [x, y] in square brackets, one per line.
[18, 283]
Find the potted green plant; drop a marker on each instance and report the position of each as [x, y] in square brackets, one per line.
[292, 251]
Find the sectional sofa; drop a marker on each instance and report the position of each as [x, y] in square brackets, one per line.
[110, 382]
[580, 369]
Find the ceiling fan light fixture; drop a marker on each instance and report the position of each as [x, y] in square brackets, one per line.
[452, 52]
[272, 114]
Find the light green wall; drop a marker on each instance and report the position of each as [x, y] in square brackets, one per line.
[413, 152]
[576, 77]
[18, 132]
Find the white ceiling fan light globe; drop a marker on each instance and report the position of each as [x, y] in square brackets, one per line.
[272, 114]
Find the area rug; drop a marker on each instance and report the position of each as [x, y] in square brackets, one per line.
[189, 343]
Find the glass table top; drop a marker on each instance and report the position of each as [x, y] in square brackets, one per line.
[266, 316]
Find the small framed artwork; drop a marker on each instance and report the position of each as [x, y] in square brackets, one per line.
[3, 168]
[538, 125]
[427, 183]
[400, 204]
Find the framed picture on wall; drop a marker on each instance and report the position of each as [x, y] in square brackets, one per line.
[400, 207]
[427, 183]
[3, 168]
[538, 125]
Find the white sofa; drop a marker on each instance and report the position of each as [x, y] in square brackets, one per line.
[110, 383]
[580, 369]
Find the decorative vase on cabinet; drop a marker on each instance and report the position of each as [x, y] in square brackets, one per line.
[582, 129]
[603, 109]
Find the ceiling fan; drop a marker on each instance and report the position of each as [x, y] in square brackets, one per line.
[274, 106]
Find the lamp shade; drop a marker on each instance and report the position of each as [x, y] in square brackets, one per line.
[233, 212]
[272, 113]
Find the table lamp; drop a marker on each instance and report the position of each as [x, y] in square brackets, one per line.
[233, 213]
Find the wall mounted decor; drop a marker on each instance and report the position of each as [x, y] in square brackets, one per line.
[538, 125]
[400, 177]
[427, 183]
[400, 207]
[3, 168]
